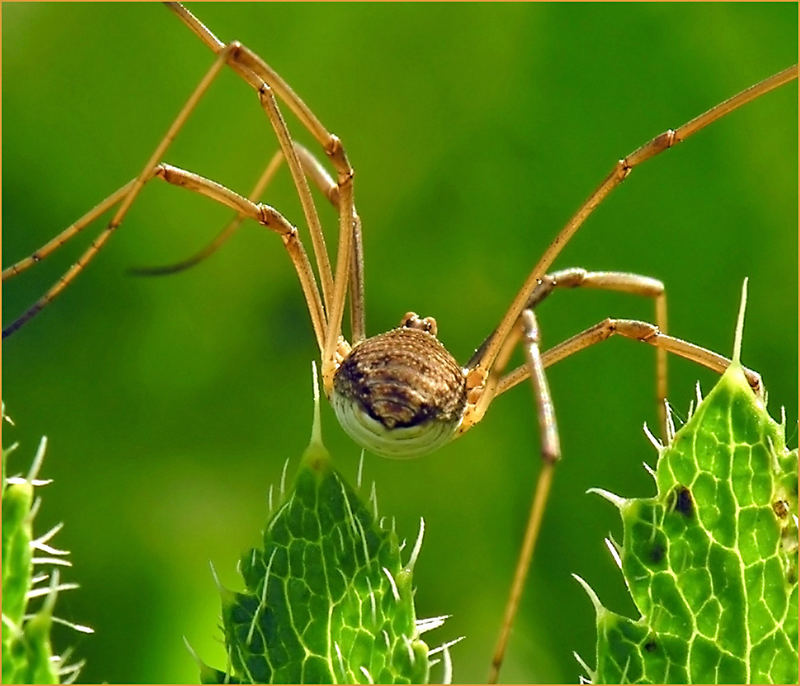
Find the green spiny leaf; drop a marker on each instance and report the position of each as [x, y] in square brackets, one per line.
[711, 560]
[328, 599]
[27, 653]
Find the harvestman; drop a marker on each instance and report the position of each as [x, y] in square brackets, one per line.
[401, 393]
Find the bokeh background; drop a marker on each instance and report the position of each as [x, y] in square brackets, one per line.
[475, 130]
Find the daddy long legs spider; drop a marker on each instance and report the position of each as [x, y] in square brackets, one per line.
[495, 274]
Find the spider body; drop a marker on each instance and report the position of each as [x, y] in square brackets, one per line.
[400, 393]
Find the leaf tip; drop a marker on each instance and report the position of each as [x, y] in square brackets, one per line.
[737, 341]
[316, 455]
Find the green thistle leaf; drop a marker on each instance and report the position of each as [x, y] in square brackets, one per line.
[328, 599]
[711, 560]
[27, 654]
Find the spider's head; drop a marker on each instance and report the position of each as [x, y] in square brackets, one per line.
[401, 393]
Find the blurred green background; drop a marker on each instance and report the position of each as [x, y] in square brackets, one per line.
[475, 130]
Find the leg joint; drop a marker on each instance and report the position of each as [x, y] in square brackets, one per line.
[272, 219]
[633, 328]
[335, 152]
[233, 49]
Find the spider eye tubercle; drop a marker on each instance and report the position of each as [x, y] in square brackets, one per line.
[411, 320]
[400, 394]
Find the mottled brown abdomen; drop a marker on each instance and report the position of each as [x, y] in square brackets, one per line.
[403, 378]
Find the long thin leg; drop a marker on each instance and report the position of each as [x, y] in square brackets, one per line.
[630, 328]
[263, 214]
[72, 230]
[551, 453]
[220, 239]
[284, 91]
[575, 277]
[333, 350]
[262, 77]
[225, 54]
[311, 167]
[636, 330]
[242, 64]
[624, 282]
[76, 227]
[326, 184]
[259, 74]
[127, 200]
[620, 171]
[332, 354]
[267, 216]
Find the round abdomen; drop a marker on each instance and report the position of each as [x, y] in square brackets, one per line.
[399, 394]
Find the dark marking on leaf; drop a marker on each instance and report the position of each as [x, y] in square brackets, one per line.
[781, 508]
[651, 646]
[683, 501]
[657, 553]
[791, 574]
